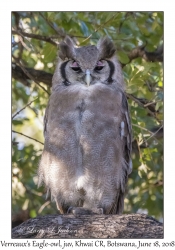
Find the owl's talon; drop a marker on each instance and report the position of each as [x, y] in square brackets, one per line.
[79, 211]
[69, 210]
[98, 210]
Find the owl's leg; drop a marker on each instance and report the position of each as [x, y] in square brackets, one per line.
[84, 211]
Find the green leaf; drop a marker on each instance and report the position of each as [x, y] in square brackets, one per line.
[127, 70]
[16, 122]
[158, 105]
[160, 84]
[84, 28]
[33, 213]
[123, 57]
[49, 52]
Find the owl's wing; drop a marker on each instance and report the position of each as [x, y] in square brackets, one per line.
[46, 119]
[40, 169]
[126, 133]
[126, 137]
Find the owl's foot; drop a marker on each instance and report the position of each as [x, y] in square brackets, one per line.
[98, 210]
[84, 211]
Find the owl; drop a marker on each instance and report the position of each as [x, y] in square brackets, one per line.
[87, 151]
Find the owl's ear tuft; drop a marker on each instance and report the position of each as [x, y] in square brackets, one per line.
[66, 49]
[106, 48]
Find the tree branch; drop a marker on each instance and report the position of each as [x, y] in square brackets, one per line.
[22, 109]
[153, 134]
[27, 136]
[38, 75]
[127, 226]
[59, 31]
[156, 56]
[135, 99]
[35, 36]
[101, 26]
[30, 76]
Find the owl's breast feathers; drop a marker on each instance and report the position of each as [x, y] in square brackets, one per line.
[87, 151]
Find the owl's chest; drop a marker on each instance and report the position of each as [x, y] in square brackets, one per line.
[86, 107]
[82, 100]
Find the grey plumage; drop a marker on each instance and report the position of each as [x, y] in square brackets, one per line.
[87, 151]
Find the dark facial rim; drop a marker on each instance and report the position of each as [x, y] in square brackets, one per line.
[62, 70]
[111, 66]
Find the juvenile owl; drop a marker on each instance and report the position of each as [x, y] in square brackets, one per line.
[87, 151]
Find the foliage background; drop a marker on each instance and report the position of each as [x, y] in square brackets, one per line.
[138, 37]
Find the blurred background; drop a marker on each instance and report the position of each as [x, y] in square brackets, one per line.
[138, 37]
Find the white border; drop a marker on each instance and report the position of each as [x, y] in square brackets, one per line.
[5, 100]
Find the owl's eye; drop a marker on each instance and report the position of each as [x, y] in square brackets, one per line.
[99, 66]
[75, 66]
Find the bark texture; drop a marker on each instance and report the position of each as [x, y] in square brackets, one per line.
[131, 226]
[38, 75]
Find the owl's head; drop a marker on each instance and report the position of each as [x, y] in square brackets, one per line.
[88, 65]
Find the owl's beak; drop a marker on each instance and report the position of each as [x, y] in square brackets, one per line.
[88, 77]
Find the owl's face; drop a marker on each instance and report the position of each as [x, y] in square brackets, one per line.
[87, 69]
[87, 65]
